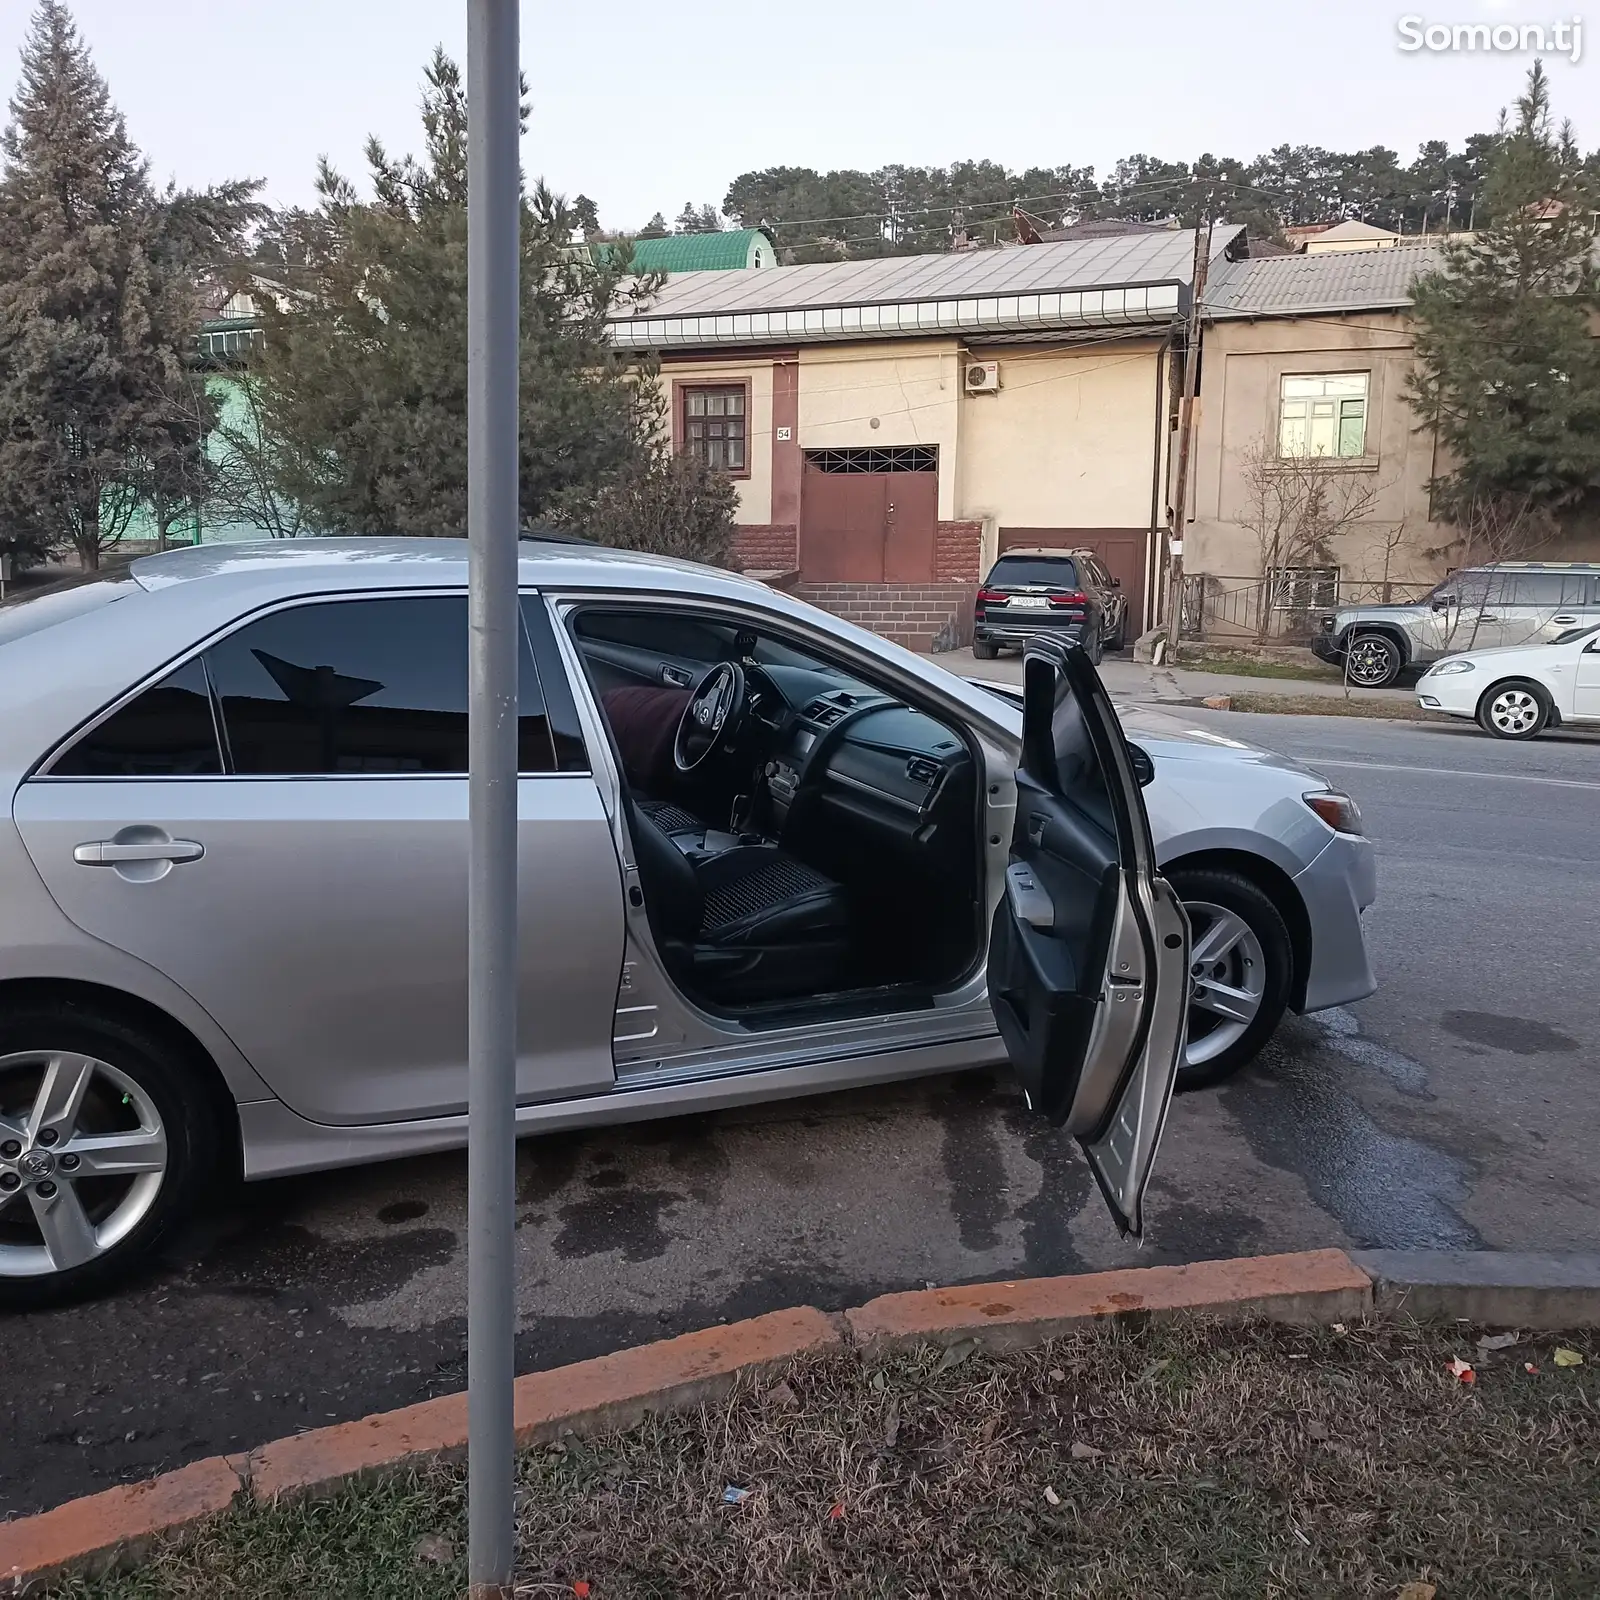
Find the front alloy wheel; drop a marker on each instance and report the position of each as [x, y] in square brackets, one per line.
[1373, 661]
[1240, 965]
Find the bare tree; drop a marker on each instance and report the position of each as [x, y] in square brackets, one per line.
[1491, 526]
[1296, 506]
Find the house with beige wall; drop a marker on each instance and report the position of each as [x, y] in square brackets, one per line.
[1308, 358]
[893, 424]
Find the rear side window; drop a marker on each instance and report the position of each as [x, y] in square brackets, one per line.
[167, 732]
[1543, 589]
[359, 686]
[333, 689]
[1053, 572]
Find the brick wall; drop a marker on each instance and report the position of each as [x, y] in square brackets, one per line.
[766, 547]
[921, 616]
[958, 552]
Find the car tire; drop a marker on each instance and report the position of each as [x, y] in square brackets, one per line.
[1372, 661]
[1121, 640]
[1257, 964]
[1514, 709]
[985, 649]
[138, 1098]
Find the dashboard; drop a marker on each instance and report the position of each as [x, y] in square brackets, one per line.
[857, 751]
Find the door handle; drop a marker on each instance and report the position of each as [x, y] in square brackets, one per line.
[677, 677]
[1564, 622]
[110, 853]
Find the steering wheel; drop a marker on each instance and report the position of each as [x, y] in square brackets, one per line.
[712, 717]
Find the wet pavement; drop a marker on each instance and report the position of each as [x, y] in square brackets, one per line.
[1455, 1109]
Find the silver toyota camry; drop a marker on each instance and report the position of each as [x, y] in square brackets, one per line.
[762, 854]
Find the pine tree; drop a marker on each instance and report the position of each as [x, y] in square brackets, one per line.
[360, 387]
[655, 228]
[1507, 368]
[98, 307]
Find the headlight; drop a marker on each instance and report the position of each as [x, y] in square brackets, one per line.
[1339, 811]
[1444, 668]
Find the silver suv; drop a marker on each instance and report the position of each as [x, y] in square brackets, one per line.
[1479, 608]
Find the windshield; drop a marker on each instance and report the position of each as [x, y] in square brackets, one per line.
[1048, 572]
[35, 609]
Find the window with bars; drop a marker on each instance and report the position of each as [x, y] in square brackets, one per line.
[1323, 414]
[888, 458]
[1302, 588]
[716, 426]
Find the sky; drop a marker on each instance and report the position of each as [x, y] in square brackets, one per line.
[643, 107]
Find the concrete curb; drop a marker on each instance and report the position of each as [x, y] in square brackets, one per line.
[120, 1525]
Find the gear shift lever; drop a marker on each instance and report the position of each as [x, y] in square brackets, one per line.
[739, 814]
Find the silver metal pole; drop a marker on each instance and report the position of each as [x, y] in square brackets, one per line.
[493, 223]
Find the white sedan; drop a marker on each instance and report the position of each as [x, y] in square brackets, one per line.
[1516, 693]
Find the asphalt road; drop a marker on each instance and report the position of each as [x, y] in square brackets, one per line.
[1457, 1108]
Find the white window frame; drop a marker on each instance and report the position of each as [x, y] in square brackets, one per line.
[1316, 411]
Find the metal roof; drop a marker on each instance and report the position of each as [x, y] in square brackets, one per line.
[1139, 278]
[700, 252]
[1287, 286]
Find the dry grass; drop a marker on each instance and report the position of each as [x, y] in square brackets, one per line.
[1181, 1460]
[1356, 704]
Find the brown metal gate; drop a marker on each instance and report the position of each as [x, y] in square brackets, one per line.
[869, 515]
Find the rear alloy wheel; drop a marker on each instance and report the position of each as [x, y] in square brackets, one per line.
[1240, 965]
[1373, 661]
[100, 1139]
[1514, 710]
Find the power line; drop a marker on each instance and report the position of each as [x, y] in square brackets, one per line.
[1111, 191]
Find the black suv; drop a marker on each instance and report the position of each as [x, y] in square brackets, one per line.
[1040, 591]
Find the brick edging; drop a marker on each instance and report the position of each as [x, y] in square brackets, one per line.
[120, 1524]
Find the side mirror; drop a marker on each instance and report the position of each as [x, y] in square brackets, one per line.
[1443, 603]
[1144, 769]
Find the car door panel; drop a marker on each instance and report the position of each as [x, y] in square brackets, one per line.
[1089, 951]
[324, 927]
[303, 879]
[1586, 683]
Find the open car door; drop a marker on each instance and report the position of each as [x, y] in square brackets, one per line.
[1089, 955]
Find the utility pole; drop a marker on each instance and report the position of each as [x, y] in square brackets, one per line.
[494, 207]
[1191, 378]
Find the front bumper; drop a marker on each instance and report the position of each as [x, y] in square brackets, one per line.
[1336, 888]
[1326, 648]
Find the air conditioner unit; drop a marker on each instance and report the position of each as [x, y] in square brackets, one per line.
[982, 377]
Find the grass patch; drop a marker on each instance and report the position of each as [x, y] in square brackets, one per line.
[1329, 705]
[1177, 1459]
[1245, 666]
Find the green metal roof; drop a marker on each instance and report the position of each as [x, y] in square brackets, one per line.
[700, 252]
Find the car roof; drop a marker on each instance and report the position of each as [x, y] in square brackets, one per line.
[357, 563]
[1590, 567]
[1040, 550]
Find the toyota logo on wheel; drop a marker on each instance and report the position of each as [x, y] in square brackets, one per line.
[37, 1164]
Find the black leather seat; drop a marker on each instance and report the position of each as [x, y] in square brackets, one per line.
[745, 924]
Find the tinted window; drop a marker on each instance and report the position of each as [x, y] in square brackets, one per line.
[659, 631]
[1057, 572]
[167, 732]
[1540, 589]
[358, 686]
[567, 732]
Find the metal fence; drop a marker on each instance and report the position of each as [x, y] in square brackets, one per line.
[1280, 608]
